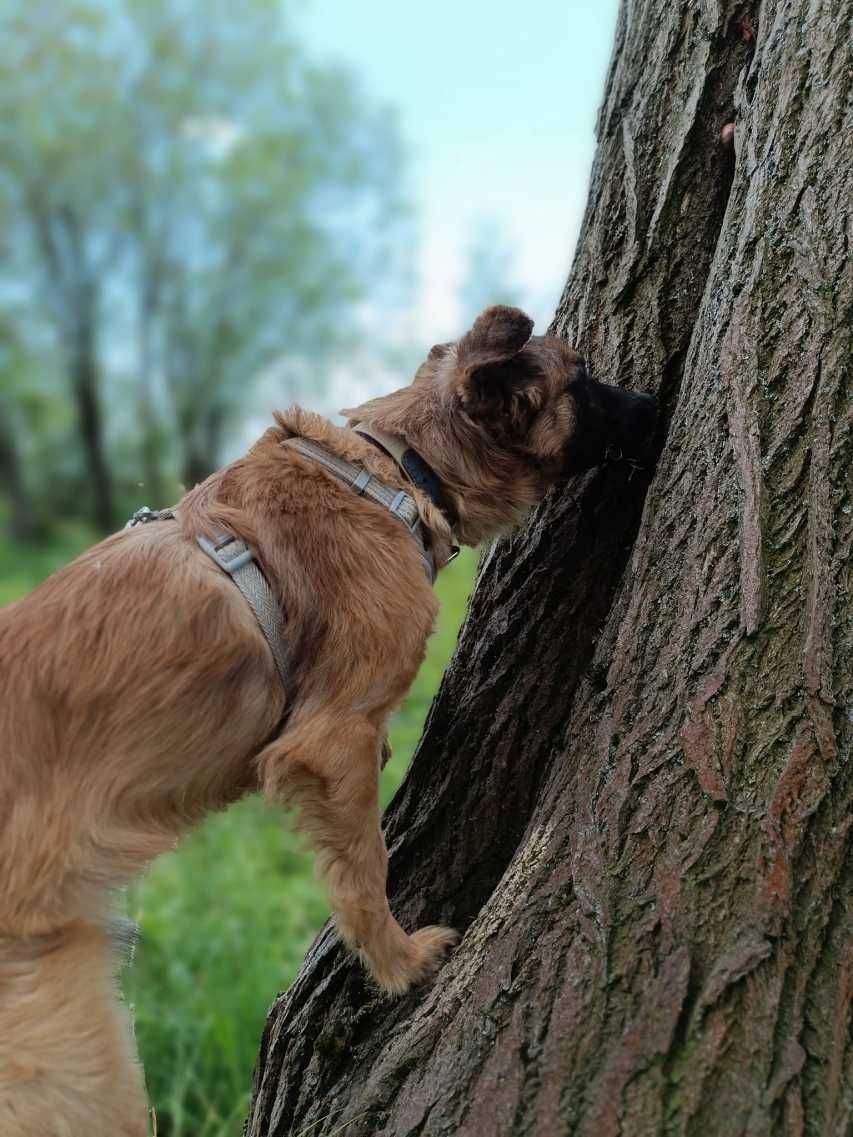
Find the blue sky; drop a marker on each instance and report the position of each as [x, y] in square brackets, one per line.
[497, 103]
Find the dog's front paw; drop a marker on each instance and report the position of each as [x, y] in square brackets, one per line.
[412, 959]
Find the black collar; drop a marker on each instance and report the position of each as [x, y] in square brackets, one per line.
[420, 474]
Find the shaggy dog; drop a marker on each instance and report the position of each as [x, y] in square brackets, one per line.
[139, 692]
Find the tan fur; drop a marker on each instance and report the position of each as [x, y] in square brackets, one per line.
[138, 693]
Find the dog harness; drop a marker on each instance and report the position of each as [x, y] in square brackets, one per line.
[235, 558]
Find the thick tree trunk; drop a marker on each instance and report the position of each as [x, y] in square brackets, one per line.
[634, 791]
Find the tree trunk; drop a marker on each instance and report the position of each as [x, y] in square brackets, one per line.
[151, 440]
[83, 370]
[22, 522]
[633, 794]
[202, 443]
[72, 284]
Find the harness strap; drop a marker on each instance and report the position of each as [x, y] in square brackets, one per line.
[397, 502]
[235, 558]
[414, 466]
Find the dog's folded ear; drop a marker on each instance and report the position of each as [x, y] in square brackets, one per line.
[486, 365]
[498, 334]
[439, 350]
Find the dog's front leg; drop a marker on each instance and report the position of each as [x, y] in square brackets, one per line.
[327, 766]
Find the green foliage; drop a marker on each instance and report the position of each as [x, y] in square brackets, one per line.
[189, 205]
[227, 918]
[22, 567]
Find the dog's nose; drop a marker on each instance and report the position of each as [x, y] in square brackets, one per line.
[612, 423]
[631, 418]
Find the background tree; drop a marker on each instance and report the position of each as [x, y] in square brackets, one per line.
[633, 794]
[59, 123]
[22, 523]
[191, 201]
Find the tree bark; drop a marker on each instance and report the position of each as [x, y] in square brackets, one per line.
[634, 790]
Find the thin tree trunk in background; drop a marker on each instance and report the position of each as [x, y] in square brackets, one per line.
[151, 440]
[83, 369]
[197, 464]
[22, 518]
[202, 435]
[634, 790]
[72, 283]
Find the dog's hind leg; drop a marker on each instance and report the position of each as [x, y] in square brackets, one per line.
[67, 1067]
[328, 767]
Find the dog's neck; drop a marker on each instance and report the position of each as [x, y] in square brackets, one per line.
[414, 466]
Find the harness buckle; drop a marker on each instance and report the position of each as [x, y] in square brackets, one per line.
[146, 514]
[405, 509]
[142, 516]
[241, 557]
[360, 482]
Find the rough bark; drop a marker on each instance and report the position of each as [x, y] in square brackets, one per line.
[634, 791]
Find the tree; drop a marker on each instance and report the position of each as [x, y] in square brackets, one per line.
[192, 201]
[22, 520]
[250, 165]
[58, 149]
[633, 794]
[22, 523]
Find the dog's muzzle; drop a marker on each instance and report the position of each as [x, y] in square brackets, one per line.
[612, 424]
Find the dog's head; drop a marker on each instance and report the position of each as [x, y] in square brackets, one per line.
[502, 415]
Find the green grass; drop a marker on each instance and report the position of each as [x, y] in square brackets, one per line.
[22, 567]
[227, 918]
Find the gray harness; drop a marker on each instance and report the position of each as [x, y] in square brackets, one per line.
[234, 556]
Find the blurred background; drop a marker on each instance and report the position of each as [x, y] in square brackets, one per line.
[211, 210]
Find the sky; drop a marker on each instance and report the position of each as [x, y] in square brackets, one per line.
[497, 103]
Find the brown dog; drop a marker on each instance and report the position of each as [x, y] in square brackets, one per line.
[138, 691]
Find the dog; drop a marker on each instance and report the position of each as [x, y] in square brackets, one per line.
[140, 692]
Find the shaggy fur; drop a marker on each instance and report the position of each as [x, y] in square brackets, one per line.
[138, 693]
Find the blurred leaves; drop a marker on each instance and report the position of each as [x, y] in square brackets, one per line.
[187, 202]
